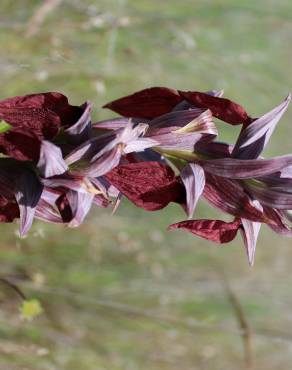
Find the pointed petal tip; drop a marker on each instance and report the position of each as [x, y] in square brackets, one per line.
[171, 227]
[22, 233]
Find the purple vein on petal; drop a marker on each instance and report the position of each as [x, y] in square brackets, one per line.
[193, 178]
[51, 162]
[253, 138]
[80, 131]
[80, 204]
[250, 231]
[244, 168]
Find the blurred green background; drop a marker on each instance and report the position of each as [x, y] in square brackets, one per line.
[121, 293]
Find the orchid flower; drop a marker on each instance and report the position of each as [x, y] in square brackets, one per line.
[58, 164]
[232, 178]
[246, 186]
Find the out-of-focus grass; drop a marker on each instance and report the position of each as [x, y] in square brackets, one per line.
[120, 292]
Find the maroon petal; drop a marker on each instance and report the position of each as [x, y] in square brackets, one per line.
[148, 103]
[224, 109]
[42, 113]
[275, 197]
[245, 168]
[193, 178]
[218, 93]
[214, 149]
[149, 185]
[214, 230]
[281, 221]
[64, 207]
[20, 144]
[229, 196]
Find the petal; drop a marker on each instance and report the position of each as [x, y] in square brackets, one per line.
[43, 113]
[102, 165]
[20, 144]
[185, 105]
[244, 168]
[46, 212]
[214, 149]
[230, 196]
[77, 183]
[148, 103]
[218, 93]
[179, 119]
[224, 109]
[250, 231]
[179, 142]
[214, 230]
[253, 138]
[80, 131]
[80, 204]
[113, 123]
[149, 185]
[92, 148]
[140, 145]
[28, 193]
[193, 178]
[51, 162]
[100, 201]
[148, 155]
[203, 124]
[182, 130]
[275, 197]
[64, 207]
[281, 221]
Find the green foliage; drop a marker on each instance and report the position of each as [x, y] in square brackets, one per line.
[4, 127]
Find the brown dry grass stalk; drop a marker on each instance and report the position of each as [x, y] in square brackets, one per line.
[40, 15]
